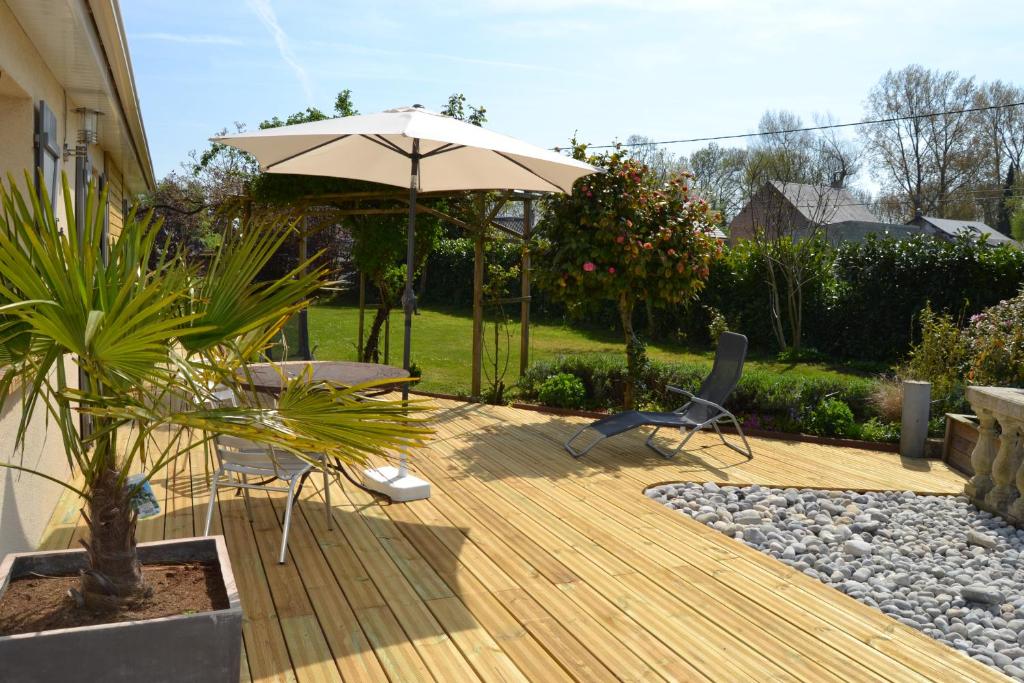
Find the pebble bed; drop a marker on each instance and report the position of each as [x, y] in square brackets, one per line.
[935, 563]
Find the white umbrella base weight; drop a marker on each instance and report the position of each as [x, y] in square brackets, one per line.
[398, 486]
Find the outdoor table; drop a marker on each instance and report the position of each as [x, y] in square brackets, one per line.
[269, 378]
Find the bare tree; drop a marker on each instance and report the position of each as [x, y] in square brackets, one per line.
[656, 157]
[929, 161]
[1000, 139]
[719, 177]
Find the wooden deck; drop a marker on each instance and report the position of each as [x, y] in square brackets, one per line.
[528, 565]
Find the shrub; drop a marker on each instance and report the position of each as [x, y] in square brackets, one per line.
[995, 343]
[832, 417]
[940, 358]
[879, 430]
[562, 391]
[885, 283]
[717, 324]
[773, 400]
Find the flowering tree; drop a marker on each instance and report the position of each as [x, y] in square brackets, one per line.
[624, 237]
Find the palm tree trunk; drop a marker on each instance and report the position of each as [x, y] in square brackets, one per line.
[114, 574]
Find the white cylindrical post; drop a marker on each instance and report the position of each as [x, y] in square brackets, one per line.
[917, 398]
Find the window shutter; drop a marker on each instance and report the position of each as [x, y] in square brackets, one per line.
[47, 148]
[105, 245]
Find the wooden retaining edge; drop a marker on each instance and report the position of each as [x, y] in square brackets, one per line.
[884, 446]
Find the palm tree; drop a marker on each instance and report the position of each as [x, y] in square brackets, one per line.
[153, 335]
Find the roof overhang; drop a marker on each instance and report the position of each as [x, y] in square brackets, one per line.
[84, 45]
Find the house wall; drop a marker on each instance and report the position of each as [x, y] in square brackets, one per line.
[27, 501]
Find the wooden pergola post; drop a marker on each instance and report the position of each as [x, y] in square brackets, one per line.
[524, 305]
[362, 313]
[304, 351]
[478, 309]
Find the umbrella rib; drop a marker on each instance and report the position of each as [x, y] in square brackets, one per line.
[529, 170]
[448, 147]
[386, 144]
[306, 151]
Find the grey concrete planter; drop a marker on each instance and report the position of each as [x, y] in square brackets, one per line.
[192, 647]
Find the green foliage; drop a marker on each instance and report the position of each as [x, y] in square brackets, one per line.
[832, 417]
[764, 399]
[940, 358]
[885, 283]
[865, 302]
[620, 234]
[717, 325]
[875, 429]
[1017, 221]
[562, 391]
[995, 344]
[456, 108]
[449, 269]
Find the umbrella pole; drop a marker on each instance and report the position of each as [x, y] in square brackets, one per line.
[397, 483]
[409, 297]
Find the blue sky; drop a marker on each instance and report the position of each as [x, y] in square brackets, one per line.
[545, 69]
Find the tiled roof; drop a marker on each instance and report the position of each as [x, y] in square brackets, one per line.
[822, 204]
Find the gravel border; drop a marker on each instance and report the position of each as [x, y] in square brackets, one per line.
[935, 563]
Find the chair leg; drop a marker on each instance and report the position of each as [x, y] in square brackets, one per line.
[579, 454]
[746, 451]
[327, 497]
[212, 503]
[245, 497]
[668, 455]
[287, 518]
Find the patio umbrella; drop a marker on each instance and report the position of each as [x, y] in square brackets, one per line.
[424, 151]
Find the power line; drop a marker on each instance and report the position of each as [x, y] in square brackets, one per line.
[869, 122]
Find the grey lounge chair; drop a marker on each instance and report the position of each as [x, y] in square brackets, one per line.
[703, 409]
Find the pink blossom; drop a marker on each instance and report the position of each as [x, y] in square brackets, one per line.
[611, 269]
[589, 267]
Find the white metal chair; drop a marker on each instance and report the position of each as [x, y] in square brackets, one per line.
[239, 458]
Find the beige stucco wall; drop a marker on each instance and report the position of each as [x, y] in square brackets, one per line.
[26, 501]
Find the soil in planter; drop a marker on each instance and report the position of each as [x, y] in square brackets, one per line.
[41, 603]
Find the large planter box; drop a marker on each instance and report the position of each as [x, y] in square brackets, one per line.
[190, 647]
[961, 436]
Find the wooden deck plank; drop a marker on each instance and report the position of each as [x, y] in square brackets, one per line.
[529, 565]
[884, 667]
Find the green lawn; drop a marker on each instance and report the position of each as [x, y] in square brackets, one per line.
[441, 345]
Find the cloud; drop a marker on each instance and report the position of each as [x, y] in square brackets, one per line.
[193, 39]
[266, 15]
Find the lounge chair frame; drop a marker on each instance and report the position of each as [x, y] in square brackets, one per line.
[698, 413]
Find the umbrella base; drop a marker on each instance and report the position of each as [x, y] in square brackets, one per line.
[400, 489]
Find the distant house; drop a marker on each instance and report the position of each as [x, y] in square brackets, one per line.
[950, 228]
[796, 210]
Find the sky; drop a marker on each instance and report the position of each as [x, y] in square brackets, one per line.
[547, 69]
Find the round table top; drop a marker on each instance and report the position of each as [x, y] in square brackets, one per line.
[268, 376]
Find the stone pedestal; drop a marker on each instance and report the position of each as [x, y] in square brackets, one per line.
[998, 457]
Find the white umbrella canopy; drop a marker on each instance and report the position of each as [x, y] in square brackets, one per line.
[425, 152]
[454, 155]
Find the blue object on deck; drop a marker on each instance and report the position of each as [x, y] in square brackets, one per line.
[143, 500]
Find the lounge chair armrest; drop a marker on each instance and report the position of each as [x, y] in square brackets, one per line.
[678, 390]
